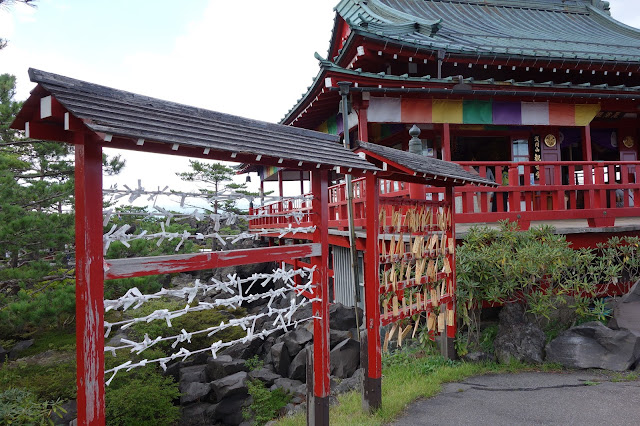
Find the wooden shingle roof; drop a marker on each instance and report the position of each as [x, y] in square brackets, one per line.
[423, 167]
[131, 117]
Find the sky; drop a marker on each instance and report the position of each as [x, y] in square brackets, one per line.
[252, 58]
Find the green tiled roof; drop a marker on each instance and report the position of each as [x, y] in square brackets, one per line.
[562, 29]
[583, 88]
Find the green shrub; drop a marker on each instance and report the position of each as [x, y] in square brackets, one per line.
[147, 285]
[142, 396]
[538, 268]
[142, 401]
[192, 321]
[21, 407]
[28, 312]
[266, 403]
[254, 363]
[46, 382]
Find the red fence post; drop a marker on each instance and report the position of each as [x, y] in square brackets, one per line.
[318, 409]
[372, 388]
[449, 341]
[89, 281]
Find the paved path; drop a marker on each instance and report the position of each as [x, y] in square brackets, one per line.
[576, 398]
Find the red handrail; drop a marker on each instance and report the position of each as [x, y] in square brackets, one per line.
[533, 190]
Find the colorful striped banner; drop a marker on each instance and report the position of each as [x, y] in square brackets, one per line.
[417, 111]
[334, 125]
[268, 171]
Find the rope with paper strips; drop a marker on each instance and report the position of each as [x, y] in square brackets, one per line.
[122, 234]
[234, 286]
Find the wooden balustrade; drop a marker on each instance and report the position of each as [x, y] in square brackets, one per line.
[529, 191]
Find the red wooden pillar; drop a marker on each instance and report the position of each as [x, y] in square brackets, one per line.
[372, 387]
[586, 143]
[448, 348]
[363, 123]
[446, 142]
[89, 281]
[318, 409]
[586, 170]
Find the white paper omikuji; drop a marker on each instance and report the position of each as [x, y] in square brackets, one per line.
[283, 316]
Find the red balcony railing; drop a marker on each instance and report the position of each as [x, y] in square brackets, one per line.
[599, 192]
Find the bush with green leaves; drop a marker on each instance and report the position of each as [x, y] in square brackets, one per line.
[46, 382]
[538, 268]
[142, 396]
[21, 407]
[266, 403]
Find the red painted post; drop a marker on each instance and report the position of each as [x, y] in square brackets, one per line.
[89, 281]
[446, 142]
[319, 408]
[363, 124]
[449, 349]
[372, 387]
[449, 199]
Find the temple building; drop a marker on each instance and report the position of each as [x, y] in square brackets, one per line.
[540, 96]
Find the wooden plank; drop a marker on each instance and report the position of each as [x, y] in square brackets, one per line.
[46, 131]
[141, 266]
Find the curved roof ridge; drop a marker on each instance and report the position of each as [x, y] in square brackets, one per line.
[402, 15]
[602, 16]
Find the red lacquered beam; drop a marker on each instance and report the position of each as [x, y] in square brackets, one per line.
[141, 266]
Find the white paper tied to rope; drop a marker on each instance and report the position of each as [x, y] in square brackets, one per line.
[214, 349]
[283, 316]
[133, 297]
[120, 234]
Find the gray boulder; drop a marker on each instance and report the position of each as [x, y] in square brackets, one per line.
[593, 345]
[633, 295]
[626, 312]
[281, 359]
[342, 317]
[337, 336]
[19, 347]
[223, 366]
[195, 373]
[345, 358]
[298, 366]
[244, 350]
[3, 354]
[71, 408]
[478, 357]
[235, 384]
[517, 338]
[296, 339]
[229, 410]
[193, 391]
[349, 384]
[264, 375]
[294, 387]
[199, 414]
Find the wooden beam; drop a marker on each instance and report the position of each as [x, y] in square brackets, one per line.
[46, 131]
[141, 266]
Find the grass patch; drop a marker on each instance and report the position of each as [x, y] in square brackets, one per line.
[407, 376]
[47, 382]
[57, 340]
